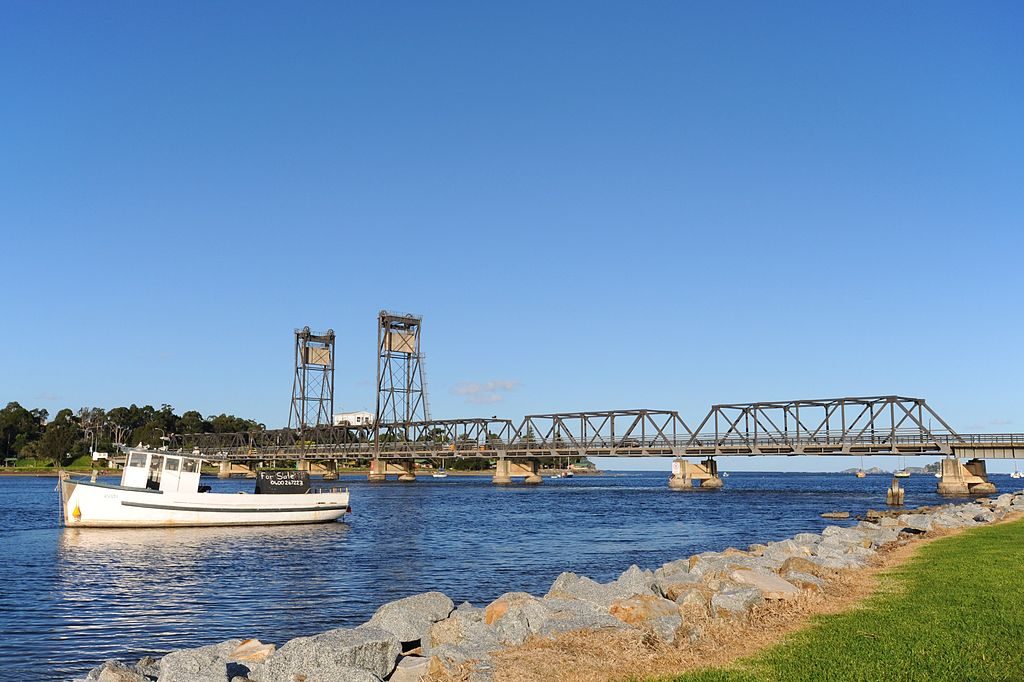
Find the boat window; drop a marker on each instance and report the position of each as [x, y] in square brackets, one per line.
[190, 465]
[137, 460]
[172, 464]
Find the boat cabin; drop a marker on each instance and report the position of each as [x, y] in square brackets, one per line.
[164, 471]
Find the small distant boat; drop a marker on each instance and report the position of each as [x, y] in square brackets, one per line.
[440, 473]
[161, 489]
[556, 476]
[1017, 474]
[724, 474]
[938, 474]
[860, 473]
[567, 474]
[902, 473]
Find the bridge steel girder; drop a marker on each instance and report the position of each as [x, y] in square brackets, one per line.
[854, 425]
[878, 425]
[640, 432]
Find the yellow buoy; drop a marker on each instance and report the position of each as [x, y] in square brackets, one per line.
[77, 513]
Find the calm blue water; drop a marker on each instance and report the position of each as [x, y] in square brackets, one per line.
[72, 598]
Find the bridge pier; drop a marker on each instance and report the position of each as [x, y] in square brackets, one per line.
[501, 472]
[408, 470]
[689, 476]
[960, 479]
[531, 469]
[224, 469]
[378, 471]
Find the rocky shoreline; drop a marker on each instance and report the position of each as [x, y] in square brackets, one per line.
[426, 636]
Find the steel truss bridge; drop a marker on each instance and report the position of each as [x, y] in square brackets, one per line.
[876, 425]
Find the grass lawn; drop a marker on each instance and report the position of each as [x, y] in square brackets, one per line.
[955, 611]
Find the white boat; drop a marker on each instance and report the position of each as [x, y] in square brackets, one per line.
[938, 474]
[902, 473]
[440, 473]
[1017, 474]
[161, 489]
[567, 474]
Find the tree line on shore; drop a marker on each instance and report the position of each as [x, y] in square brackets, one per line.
[32, 435]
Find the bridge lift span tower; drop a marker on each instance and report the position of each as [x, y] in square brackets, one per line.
[313, 386]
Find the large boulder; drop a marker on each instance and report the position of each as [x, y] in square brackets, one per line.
[515, 616]
[784, 549]
[717, 564]
[331, 655]
[771, 586]
[836, 535]
[677, 567]
[633, 581]
[410, 669]
[918, 522]
[409, 619]
[805, 581]
[566, 615]
[205, 664]
[461, 636]
[735, 602]
[809, 565]
[658, 614]
[114, 671]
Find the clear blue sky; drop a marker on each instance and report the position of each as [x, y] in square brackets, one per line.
[594, 205]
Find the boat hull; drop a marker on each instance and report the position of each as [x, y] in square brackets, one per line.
[98, 505]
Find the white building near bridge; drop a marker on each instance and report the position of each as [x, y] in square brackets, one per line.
[353, 419]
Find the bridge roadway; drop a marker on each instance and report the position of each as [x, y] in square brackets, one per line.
[875, 425]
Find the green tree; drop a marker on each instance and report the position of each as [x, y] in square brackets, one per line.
[60, 437]
[19, 427]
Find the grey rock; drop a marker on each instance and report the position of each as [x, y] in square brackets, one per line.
[770, 585]
[566, 615]
[693, 601]
[807, 539]
[835, 535]
[735, 601]
[784, 549]
[409, 619]
[114, 671]
[464, 630]
[633, 581]
[332, 652]
[451, 655]
[149, 666]
[985, 517]
[515, 616]
[660, 616]
[1004, 500]
[920, 522]
[410, 669]
[804, 580]
[713, 564]
[671, 584]
[678, 567]
[205, 664]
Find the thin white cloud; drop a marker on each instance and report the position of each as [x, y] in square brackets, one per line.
[484, 393]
